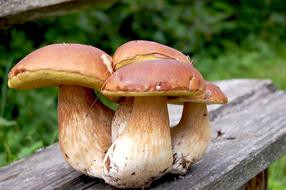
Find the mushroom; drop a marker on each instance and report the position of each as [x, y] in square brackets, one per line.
[190, 138]
[84, 122]
[140, 50]
[142, 152]
[146, 50]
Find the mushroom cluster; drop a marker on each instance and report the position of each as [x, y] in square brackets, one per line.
[134, 145]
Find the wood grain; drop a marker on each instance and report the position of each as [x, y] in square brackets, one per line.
[19, 11]
[248, 135]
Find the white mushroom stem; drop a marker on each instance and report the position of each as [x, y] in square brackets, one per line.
[190, 138]
[121, 117]
[143, 152]
[84, 129]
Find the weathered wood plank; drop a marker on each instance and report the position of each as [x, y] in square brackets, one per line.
[253, 134]
[19, 11]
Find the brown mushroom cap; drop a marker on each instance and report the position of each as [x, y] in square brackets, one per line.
[145, 78]
[140, 48]
[212, 95]
[56, 64]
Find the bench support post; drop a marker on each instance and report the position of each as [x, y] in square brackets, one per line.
[259, 182]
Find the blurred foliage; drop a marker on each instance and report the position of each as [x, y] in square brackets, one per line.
[226, 39]
[277, 180]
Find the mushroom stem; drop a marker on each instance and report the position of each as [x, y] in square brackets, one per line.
[121, 117]
[190, 138]
[84, 129]
[143, 152]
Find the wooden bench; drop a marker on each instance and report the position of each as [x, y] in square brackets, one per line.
[19, 11]
[249, 133]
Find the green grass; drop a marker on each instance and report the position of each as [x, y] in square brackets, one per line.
[254, 59]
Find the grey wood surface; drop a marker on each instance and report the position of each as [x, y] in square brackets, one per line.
[19, 11]
[249, 133]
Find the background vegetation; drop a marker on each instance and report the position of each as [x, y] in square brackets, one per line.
[226, 39]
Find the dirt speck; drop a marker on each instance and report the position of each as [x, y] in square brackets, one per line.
[219, 133]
